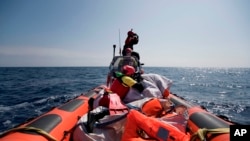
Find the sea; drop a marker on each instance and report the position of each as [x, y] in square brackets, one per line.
[27, 92]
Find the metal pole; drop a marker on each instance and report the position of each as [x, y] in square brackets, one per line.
[114, 50]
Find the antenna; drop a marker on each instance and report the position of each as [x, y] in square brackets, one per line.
[119, 43]
[114, 50]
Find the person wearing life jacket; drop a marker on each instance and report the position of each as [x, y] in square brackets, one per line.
[132, 39]
[159, 120]
[128, 52]
[124, 81]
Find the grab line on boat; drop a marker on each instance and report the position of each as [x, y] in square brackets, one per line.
[31, 129]
[201, 133]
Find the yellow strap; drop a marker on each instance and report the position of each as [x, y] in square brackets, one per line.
[201, 133]
[32, 129]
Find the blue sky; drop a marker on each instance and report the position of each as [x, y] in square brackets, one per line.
[176, 33]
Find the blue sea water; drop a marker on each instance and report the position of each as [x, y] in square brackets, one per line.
[27, 92]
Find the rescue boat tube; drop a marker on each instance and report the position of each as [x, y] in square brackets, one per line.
[201, 119]
[56, 124]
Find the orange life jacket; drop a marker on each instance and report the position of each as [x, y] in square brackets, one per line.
[152, 108]
[153, 127]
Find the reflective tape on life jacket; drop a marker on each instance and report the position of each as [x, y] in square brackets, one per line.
[119, 88]
[153, 127]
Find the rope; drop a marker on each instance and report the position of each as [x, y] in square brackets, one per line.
[31, 129]
[201, 133]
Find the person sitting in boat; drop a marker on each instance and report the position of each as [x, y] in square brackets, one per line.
[128, 60]
[155, 85]
[128, 52]
[159, 120]
[124, 81]
[118, 63]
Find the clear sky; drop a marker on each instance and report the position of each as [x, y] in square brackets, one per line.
[176, 33]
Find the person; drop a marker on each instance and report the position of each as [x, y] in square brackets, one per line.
[124, 81]
[159, 119]
[118, 62]
[155, 85]
[128, 52]
[132, 39]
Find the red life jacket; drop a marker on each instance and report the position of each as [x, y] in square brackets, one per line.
[114, 103]
[119, 88]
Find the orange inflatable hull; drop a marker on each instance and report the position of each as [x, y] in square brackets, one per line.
[59, 122]
[200, 118]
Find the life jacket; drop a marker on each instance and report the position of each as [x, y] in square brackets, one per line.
[119, 88]
[154, 108]
[153, 127]
[116, 106]
[122, 85]
[113, 102]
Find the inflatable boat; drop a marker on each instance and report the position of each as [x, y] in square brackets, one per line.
[70, 121]
[62, 123]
